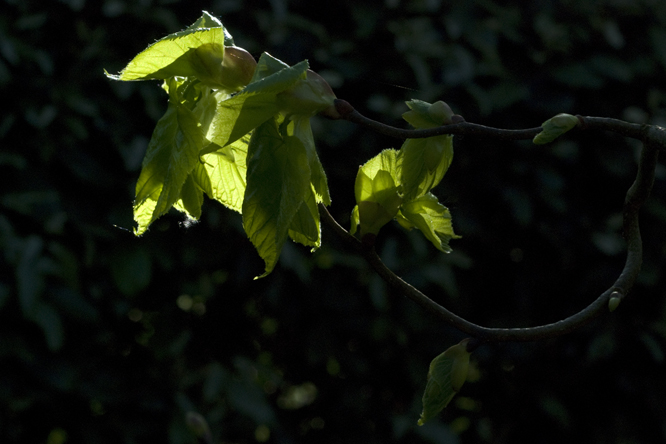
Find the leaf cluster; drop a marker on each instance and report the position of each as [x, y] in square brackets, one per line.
[247, 145]
[397, 184]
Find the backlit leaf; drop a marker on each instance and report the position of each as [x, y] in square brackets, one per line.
[377, 190]
[171, 156]
[255, 104]
[174, 55]
[432, 218]
[191, 199]
[425, 161]
[305, 227]
[277, 183]
[222, 174]
[446, 375]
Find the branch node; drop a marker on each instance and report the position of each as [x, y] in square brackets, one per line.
[343, 107]
[582, 123]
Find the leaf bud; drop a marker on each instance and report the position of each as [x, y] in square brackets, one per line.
[555, 127]
[309, 96]
[239, 66]
[229, 68]
[614, 301]
[440, 112]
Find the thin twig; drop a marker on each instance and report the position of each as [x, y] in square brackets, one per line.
[463, 128]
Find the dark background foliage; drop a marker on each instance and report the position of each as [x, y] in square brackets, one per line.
[108, 338]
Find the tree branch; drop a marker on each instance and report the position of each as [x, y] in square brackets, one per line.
[643, 132]
[347, 112]
[653, 138]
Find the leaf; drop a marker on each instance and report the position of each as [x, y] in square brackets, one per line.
[255, 104]
[388, 160]
[355, 220]
[209, 21]
[418, 116]
[191, 199]
[424, 163]
[171, 156]
[432, 218]
[305, 228]
[222, 174]
[377, 191]
[300, 127]
[446, 375]
[425, 115]
[278, 179]
[174, 55]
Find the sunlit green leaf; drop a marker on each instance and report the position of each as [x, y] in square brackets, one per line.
[425, 161]
[241, 113]
[377, 191]
[305, 228]
[300, 127]
[174, 55]
[424, 164]
[446, 375]
[191, 199]
[171, 156]
[209, 21]
[432, 218]
[277, 185]
[355, 220]
[221, 174]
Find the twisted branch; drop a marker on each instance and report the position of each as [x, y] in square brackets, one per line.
[653, 138]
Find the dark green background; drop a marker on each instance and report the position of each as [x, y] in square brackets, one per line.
[108, 338]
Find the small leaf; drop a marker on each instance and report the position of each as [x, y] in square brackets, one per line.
[425, 161]
[418, 116]
[440, 112]
[307, 97]
[555, 127]
[355, 220]
[446, 375]
[377, 191]
[424, 164]
[432, 218]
